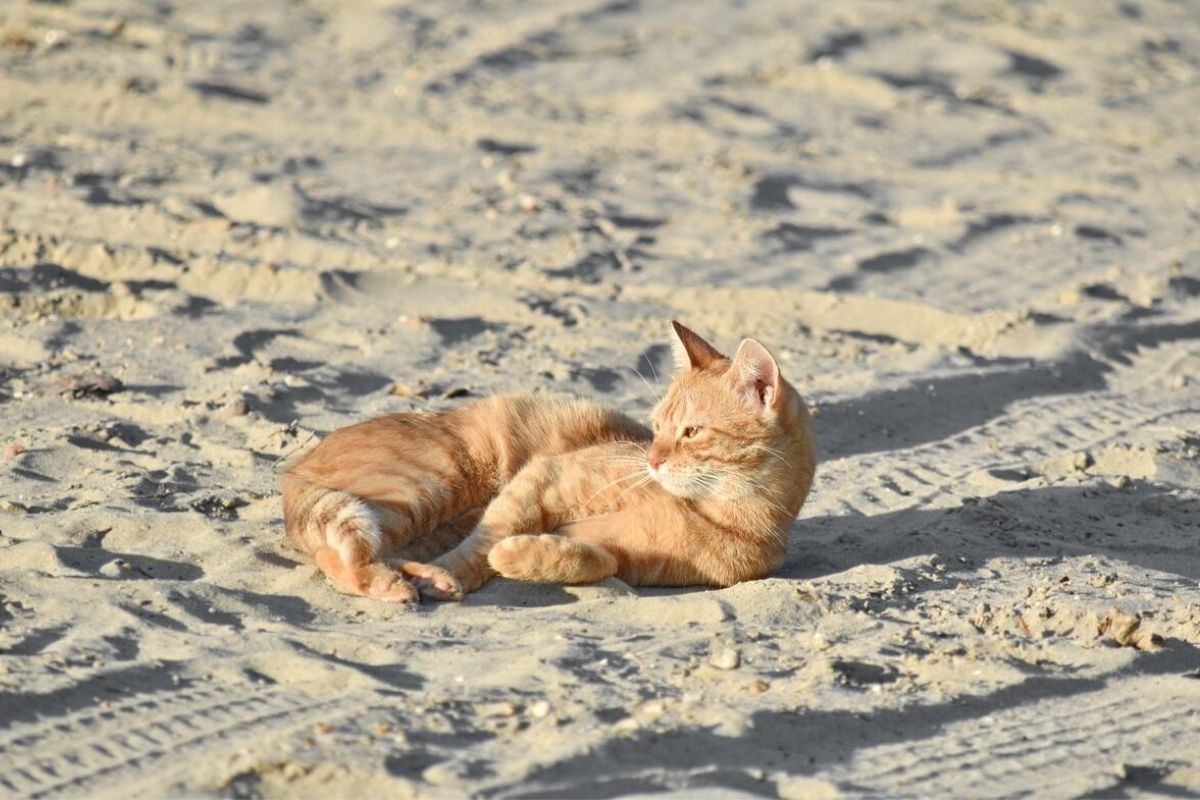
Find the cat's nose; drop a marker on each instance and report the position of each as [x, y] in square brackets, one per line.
[654, 460]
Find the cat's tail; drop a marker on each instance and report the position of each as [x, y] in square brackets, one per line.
[345, 538]
[315, 517]
[342, 534]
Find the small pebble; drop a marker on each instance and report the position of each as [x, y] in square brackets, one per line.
[654, 708]
[13, 450]
[725, 658]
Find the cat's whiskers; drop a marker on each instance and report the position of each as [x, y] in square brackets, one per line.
[657, 380]
[620, 480]
[645, 480]
[656, 397]
[640, 450]
[773, 452]
[631, 467]
[625, 458]
[761, 491]
[704, 479]
[624, 461]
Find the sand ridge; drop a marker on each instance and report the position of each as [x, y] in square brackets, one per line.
[968, 232]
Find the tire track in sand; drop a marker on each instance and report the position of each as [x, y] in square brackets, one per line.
[80, 751]
[1058, 747]
[1032, 430]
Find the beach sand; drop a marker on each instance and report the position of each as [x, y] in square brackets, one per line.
[970, 231]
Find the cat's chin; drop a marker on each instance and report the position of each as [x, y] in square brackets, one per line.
[673, 489]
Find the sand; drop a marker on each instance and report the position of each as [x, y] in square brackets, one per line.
[970, 231]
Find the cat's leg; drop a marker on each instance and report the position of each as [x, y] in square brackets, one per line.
[365, 578]
[520, 507]
[412, 556]
[343, 535]
[547, 558]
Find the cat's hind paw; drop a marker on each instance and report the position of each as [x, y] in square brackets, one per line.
[433, 582]
[374, 580]
[392, 589]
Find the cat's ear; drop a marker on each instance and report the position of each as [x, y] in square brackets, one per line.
[756, 377]
[691, 352]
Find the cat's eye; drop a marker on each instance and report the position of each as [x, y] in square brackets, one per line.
[690, 431]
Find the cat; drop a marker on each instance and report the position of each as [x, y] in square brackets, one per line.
[564, 491]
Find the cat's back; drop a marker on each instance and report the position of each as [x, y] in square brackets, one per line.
[500, 431]
[563, 424]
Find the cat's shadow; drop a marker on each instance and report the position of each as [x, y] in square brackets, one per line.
[505, 593]
[1143, 524]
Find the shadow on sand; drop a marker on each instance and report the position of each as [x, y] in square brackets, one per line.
[1144, 524]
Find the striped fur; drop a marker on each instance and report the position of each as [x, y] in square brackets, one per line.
[374, 502]
[563, 490]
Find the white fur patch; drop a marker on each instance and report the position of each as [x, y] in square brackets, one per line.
[356, 521]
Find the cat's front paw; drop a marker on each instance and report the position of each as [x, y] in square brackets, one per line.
[550, 558]
[515, 557]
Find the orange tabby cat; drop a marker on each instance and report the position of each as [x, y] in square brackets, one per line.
[564, 491]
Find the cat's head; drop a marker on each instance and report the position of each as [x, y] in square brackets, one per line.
[721, 423]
